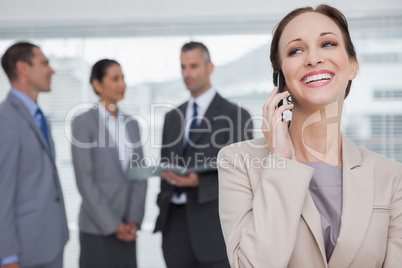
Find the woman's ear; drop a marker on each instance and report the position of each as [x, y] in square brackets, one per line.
[354, 67]
[97, 86]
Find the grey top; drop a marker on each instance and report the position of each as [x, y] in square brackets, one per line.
[326, 190]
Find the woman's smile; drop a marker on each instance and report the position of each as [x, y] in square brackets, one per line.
[318, 78]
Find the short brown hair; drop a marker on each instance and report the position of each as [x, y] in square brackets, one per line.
[21, 51]
[326, 10]
[197, 45]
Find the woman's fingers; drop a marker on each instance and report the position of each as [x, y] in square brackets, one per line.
[277, 117]
[267, 103]
[278, 97]
[273, 126]
[270, 97]
[283, 108]
[272, 101]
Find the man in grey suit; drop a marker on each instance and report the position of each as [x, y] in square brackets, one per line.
[33, 225]
[193, 133]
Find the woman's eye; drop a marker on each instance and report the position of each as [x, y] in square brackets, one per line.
[294, 51]
[329, 44]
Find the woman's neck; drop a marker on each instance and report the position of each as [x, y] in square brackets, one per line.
[316, 136]
[111, 107]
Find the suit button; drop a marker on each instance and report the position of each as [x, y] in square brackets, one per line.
[57, 199]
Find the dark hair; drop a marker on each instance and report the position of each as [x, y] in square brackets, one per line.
[99, 70]
[326, 10]
[197, 45]
[21, 51]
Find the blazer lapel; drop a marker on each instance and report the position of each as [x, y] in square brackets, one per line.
[208, 120]
[104, 139]
[312, 218]
[357, 205]
[180, 127]
[311, 215]
[32, 124]
[51, 142]
[175, 137]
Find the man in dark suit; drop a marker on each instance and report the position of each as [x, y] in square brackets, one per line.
[33, 225]
[193, 133]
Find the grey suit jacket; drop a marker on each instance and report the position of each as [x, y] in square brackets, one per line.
[32, 216]
[108, 198]
[228, 124]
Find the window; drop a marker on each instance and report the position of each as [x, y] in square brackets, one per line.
[388, 94]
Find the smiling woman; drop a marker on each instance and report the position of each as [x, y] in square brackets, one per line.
[333, 204]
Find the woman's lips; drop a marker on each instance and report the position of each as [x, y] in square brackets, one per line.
[317, 78]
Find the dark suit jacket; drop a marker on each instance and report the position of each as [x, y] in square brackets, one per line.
[227, 125]
[32, 216]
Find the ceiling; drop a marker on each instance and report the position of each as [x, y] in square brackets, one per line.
[105, 18]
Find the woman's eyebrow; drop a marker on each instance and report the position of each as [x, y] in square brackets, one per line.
[326, 33]
[295, 40]
[321, 34]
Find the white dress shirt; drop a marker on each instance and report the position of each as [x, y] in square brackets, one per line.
[203, 101]
[119, 135]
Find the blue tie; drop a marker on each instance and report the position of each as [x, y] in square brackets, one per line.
[193, 123]
[193, 126]
[42, 124]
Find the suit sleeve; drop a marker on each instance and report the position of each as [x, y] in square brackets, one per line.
[9, 147]
[138, 188]
[260, 225]
[242, 130]
[394, 245]
[93, 201]
[167, 190]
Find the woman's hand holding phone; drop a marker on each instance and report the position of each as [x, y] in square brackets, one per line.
[274, 128]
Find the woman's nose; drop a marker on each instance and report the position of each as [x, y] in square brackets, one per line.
[313, 58]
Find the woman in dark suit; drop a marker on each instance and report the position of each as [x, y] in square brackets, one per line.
[112, 207]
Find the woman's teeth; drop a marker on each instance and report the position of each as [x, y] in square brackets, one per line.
[317, 78]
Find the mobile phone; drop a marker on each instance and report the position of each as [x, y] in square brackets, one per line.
[280, 83]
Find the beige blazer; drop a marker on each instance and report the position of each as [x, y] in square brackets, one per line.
[269, 218]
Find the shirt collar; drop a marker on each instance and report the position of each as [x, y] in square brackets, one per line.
[29, 103]
[103, 112]
[203, 101]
